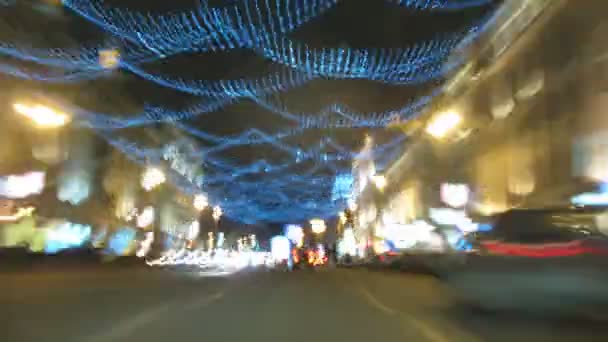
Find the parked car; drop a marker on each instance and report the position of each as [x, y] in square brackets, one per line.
[550, 261]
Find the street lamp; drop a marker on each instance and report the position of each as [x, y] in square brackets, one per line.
[445, 122]
[318, 226]
[42, 116]
[217, 213]
[379, 181]
[152, 177]
[200, 202]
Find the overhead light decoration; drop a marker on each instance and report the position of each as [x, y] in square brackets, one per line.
[109, 58]
[152, 177]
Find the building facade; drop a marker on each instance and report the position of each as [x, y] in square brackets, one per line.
[532, 96]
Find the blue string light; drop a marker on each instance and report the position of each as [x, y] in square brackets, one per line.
[251, 201]
[300, 185]
[449, 5]
[399, 66]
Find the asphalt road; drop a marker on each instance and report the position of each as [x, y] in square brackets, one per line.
[331, 305]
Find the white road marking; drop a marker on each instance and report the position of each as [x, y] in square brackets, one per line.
[427, 330]
[128, 327]
[373, 301]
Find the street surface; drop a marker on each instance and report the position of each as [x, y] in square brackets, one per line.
[126, 304]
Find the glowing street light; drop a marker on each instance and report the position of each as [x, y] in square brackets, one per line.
[379, 181]
[200, 202]
[146, 217]
[295, 233]
[217, 213]
[342, 217]
[42, 116]
[352, 205]
[210, 240]
[440, 126]
[152, 177]
[318, 226]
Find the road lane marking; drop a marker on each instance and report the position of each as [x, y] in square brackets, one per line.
[427, 330]
[204, 301]
[127, 328]
[373, 301]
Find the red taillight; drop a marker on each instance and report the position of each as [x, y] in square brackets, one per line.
[550, 250]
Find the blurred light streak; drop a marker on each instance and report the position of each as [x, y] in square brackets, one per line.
[590, 198]
[66, 235]
[443, 123]
[121, 242]
[43, 116]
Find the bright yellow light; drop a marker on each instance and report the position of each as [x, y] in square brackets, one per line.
[318, 226]
[43, 116]
[443, 124]
[109, 59]
[152, 178]
[379, 181]
[342, 216]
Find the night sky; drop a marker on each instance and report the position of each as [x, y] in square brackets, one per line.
[352, 23]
